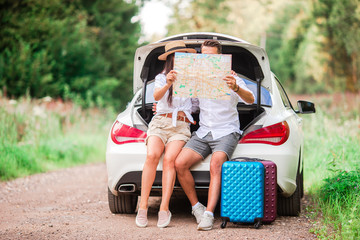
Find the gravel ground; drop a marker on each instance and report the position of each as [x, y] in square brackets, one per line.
[72, 204]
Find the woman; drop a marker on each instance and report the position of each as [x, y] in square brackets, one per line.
[168, 132]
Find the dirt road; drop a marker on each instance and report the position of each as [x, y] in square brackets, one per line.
[72, 204]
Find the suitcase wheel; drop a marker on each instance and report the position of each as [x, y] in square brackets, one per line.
[223, 224]
[257, 224]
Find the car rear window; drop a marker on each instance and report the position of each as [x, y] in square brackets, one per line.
[265, 97]
[150, 92]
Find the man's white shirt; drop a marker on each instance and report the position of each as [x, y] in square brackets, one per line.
[220, 117]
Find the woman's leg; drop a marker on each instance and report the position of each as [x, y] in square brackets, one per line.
[172, 149]
[155, 148]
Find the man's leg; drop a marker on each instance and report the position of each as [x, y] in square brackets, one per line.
[222, 148]
[217, 159]
[184, 161]
[207, 220]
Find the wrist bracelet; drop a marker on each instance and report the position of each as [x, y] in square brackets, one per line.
[237, 89]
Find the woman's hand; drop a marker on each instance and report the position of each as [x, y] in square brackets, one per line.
[171, 77]
[154, 106]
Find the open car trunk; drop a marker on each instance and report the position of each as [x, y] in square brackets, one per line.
[247, 115]
[248, 61]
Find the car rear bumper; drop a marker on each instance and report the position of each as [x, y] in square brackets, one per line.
[131, 183]
[125, 164]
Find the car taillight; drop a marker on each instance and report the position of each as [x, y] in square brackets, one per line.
[121, 133]
[275, 134]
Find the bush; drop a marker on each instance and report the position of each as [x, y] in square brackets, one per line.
[341, 186]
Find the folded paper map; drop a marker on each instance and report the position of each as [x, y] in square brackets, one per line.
[201, 75]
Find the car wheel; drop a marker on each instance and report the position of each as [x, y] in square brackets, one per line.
[290, 206]
[123, 203]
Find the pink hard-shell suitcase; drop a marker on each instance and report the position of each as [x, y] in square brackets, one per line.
[270, 196]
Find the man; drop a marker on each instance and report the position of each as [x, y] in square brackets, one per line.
[219, 133]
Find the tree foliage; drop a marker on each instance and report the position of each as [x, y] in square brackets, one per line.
[288, 43]
[339, 23]
[322, 52]
[312, 44]
[79, 49]
[200, 16]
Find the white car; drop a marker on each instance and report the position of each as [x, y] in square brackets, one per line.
[272, 129]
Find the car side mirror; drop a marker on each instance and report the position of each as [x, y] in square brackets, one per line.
[305, 107]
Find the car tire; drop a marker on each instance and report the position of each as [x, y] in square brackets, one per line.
[123, 203]
[290, 206]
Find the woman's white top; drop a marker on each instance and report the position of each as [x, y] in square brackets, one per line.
[178, 103]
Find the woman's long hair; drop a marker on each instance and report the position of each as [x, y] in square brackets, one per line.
[169, 65]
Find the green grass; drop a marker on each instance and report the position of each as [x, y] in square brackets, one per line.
[332, 166]
[38, 136]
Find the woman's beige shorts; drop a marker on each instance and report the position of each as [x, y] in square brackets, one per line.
[162, 127]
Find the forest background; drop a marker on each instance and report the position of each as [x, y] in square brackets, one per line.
[83, 50]
[66, 69]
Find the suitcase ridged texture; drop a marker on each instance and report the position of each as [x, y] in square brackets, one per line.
[270, 199]
[242, 191]
[270, 191]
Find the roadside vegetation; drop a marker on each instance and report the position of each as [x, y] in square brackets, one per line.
[43, 135]
[332, 166]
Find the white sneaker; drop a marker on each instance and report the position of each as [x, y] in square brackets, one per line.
[141, 218]
[206, 223]
[164, 219]
[198, 212]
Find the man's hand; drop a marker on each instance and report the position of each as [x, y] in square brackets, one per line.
[231, 82]
[245, 95]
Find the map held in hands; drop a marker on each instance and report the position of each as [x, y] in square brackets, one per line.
[201, 75]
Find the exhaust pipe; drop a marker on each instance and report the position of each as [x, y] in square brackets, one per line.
[126, 188]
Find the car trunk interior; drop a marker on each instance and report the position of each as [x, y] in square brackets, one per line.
[243, 62]
[247, 113]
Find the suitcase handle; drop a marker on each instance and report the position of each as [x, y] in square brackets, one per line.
[246, 159]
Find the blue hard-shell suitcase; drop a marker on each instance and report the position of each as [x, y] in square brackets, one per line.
[270, 187]
[242, 193]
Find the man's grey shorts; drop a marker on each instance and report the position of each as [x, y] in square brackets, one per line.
[206, 145]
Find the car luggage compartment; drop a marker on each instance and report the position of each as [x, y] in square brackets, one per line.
[247, 113]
